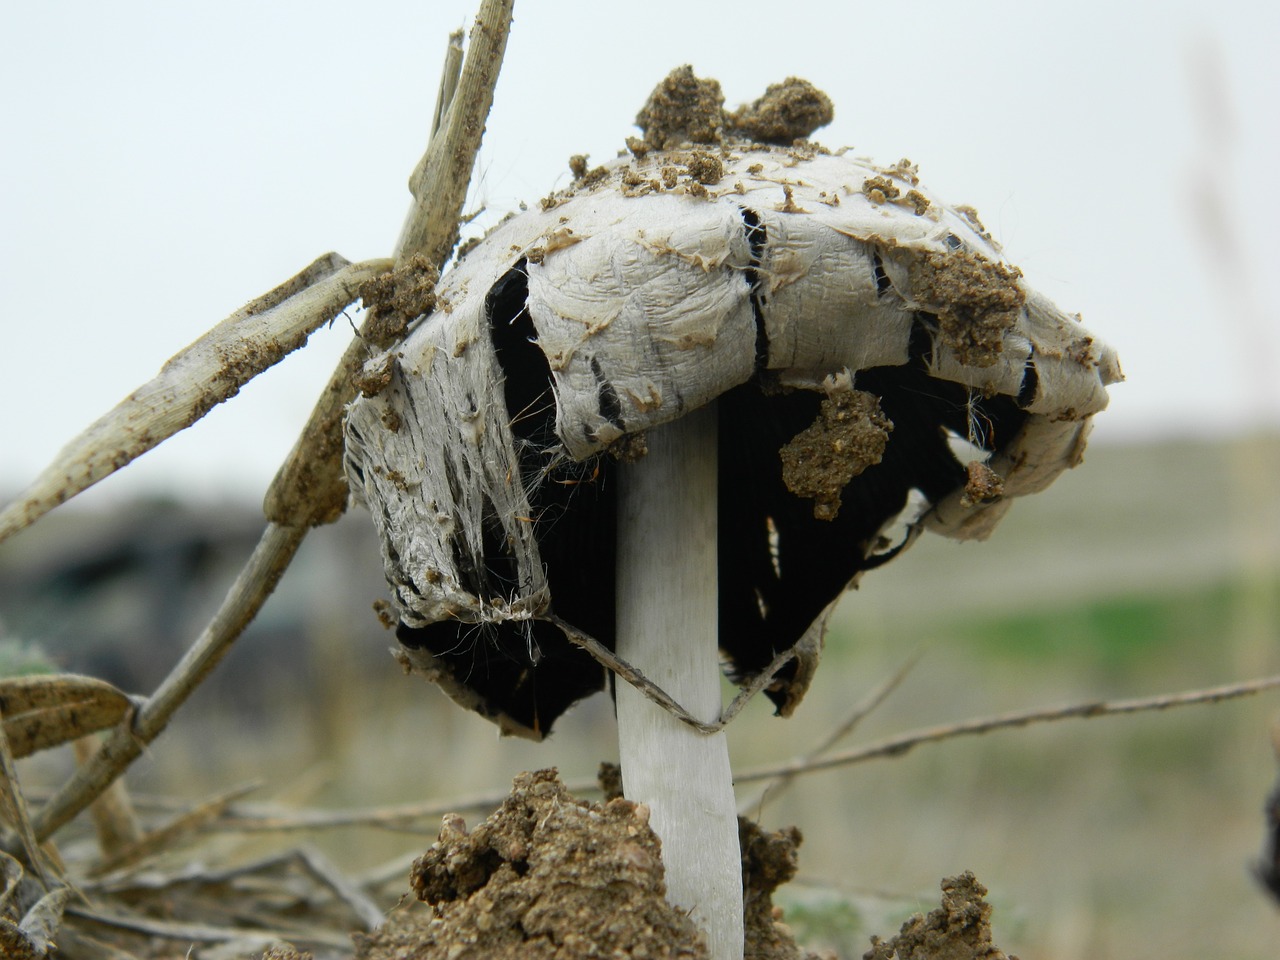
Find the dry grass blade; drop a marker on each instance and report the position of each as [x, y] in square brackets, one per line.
[205, 933]
[50, 709]
[39, 927]
[297, 894]
[13, 809]
[448, 80]
[198, 378]
[11, 871]
[897, 746]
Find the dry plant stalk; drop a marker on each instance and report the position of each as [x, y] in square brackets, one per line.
[901, 744]
[297, 497]
[255, 818]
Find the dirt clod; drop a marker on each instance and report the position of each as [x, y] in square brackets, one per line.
[682, 109]
[880, 189]
[787, 112]
[976, 300]
[546, 876]
[706, 168]
[768, 861]
[983, 485]
[960, 929]
[849, 435]
[550, 876]
[398, 297]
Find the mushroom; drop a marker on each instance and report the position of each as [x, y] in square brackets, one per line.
[680, 408]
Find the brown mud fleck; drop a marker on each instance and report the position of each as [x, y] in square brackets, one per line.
[788, 111]
[976, 300]
[849, 435]
[584, 176]
[960, 929]
[983, 485]
[371, 381]
[397, 298]
[917, 200]
[788, 204]
[880, 189]
[705, 167]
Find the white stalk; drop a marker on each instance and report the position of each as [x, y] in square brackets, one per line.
[667, 628]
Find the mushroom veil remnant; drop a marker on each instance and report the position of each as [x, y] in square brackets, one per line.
[857, 360]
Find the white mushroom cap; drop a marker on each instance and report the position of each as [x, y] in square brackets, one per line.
[656, 284]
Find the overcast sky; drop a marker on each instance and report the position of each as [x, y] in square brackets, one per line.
[164, 163]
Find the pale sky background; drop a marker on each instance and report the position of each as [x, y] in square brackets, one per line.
[164, 163]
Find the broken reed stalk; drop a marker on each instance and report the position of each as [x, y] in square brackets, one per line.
[667, 627]
[439, 187]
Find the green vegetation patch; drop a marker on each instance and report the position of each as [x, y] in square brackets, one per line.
[1123, 631]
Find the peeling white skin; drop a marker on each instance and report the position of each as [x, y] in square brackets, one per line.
[649, 290]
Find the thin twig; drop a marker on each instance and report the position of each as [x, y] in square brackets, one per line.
[757, 683]
[632, 675]
[327, 873]
[861, 709]
[897, 746]
[254, 818]
[621, 668]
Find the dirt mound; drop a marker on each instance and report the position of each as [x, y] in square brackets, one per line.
[549, 875]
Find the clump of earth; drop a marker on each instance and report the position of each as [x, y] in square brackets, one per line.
[551, 877]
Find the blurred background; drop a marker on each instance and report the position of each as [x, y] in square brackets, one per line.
[168, 164]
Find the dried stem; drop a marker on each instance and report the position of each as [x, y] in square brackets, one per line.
[897, 746]
[193, 381]
[438, 185]
[861, 709]
[631, 674]
[438, 197]
[251, 818]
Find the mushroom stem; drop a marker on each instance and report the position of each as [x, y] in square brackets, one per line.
[668, 629]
